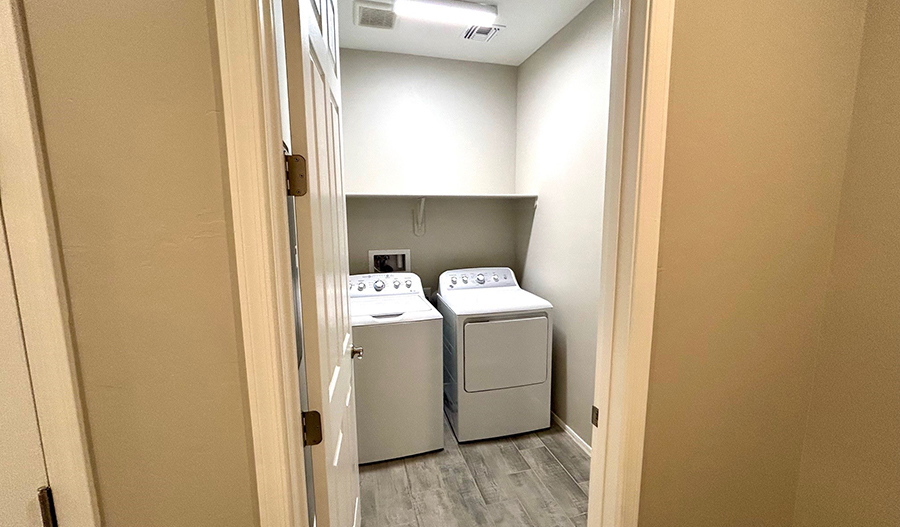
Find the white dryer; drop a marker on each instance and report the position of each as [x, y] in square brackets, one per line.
[398, 381]
[497, 358]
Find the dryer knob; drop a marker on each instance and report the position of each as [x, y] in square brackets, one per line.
[396, 284]
[496, 278]
[465, 279]
[452, 279]
[480, 278]
[409, 283]
[379, 285]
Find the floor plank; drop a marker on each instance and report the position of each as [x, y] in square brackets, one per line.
[457, 478]
[392, 497]
[509, 514]
[526, 441]
[565, 491]
[433, 507]
[438, 508]
[424, 473]
[491, 462]
[519, 481]
[367, 497]
[570, 455]
[537, 501]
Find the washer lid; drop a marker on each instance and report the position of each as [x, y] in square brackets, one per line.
[493, 300]
[368, 310]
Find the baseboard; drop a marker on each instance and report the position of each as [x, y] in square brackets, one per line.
[575, 437]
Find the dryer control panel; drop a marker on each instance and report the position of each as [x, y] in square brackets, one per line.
[477, 278]
[385, 284]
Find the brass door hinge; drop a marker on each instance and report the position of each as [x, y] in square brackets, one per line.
[48, 511]
[312, 428]
[295, 172]
[595, 415]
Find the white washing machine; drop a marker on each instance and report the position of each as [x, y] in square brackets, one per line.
[497, 358]
[398, 381]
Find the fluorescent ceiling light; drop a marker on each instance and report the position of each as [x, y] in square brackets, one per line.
[447, 11]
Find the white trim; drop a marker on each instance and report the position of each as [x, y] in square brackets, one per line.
[246, 43]
[642, 40]
[40, 286]
[582, 444]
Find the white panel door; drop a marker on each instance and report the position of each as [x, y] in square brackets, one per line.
[314, 111]
[22, 470]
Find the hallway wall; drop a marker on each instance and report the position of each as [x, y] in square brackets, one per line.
[850, 473]
[761, 100]
[133, 124]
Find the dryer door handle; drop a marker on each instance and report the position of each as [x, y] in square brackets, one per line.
[356, 352]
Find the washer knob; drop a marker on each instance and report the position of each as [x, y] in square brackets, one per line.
[453, 280]
[409, 283]
[496, 278]
[396, 284]
[361, 286]
[465, 279]
[479, 278]
[379, 285]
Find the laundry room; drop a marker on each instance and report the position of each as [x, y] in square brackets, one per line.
[474, 159]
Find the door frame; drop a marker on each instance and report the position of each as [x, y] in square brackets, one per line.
[257, 183]
[639, 100]
[639, 103]
[39, 279]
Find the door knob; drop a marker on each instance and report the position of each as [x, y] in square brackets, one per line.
[356, 352]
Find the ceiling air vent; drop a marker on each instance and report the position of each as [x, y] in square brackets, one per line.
[373, 14]
[481, 33]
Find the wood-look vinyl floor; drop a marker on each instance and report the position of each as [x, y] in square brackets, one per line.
[538, 479]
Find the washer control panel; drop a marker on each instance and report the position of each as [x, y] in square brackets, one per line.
[477, 278]
[385, 284]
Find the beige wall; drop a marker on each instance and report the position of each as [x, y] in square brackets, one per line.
[850, 473]
[459, 233]
[22, 469]
[418, 125]
[128, 94]
[759, 118]
[563, 109]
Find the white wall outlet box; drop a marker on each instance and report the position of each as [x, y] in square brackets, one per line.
[389, 261]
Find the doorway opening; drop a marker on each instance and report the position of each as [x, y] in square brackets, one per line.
[478, 146]
[303, 66]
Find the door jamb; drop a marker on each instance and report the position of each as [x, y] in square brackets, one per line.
[39, 279]
[642, 46]
[256, 175]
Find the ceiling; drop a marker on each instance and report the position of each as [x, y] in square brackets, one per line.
[529, 24]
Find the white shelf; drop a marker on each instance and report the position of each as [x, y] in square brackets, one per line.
[454, 196]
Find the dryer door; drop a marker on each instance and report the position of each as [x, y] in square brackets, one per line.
[505, 353]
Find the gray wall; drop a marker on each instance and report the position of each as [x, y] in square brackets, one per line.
[132, 119]
[850, 473]
[418, 125]
[760, 106]
[563, 109]
[459, 233]
[431, 126]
